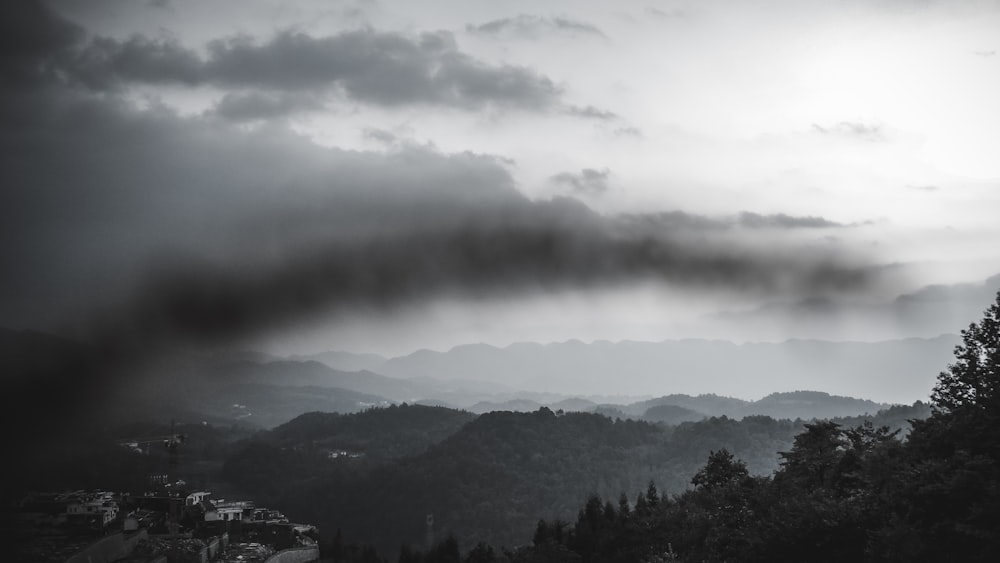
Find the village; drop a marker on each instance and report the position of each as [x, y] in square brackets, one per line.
[171, 524]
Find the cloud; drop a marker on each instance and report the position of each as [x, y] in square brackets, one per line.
[656, 12]
[591, 112]
[545, 246]
[381, 136]
[533, 27]
[782, 221]
[857, 129]
[106, 63]
[575, 26]
[369, 66]
[679, 221]
[150, 227]
[628, 132]
[589, 181]
[927, 312]
[169, 228]
[251, 106]
[31, 39]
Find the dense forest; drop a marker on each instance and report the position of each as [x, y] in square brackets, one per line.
[841, 492]
[376, 475]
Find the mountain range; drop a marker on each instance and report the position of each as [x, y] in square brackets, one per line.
[695, 378]
[893, 371]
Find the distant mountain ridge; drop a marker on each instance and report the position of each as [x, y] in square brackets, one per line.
[257, 390]
[347, 361]
[888, 371]
[313, 373]
[677, 408]
[791, 405]
[892, 371]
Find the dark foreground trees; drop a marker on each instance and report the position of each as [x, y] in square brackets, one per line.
[946, 504]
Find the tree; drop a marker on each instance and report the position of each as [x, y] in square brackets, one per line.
[652, 495]
[814, 455]
[948, 500]
[970, 384]
[721, 469]
[965, 408]
[482, 553]
[444, 552]
[966, 399]
[624, 512]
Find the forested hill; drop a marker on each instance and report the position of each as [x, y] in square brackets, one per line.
[486, 478]
[488, 482]
[393, 431]
[313, 374]
[794, 404]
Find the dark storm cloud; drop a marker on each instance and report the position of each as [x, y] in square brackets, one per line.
[370, 66]
[236, 233]
[533, 26]
[30, 39]
[588, 181]
[107, 62]
[547, 247]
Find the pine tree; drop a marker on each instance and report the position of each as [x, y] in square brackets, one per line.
[721, 469]
[966, 399]
[623, 508]
[652, 495]
[948, 504]
[969, 387]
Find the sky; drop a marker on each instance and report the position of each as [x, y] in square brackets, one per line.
[383, 176]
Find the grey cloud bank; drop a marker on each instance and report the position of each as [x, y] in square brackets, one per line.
[130, 217]
[365, 65]
[154, 226]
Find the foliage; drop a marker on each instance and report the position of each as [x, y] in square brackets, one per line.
[969, 386]
[721, 470]
[489, 479]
